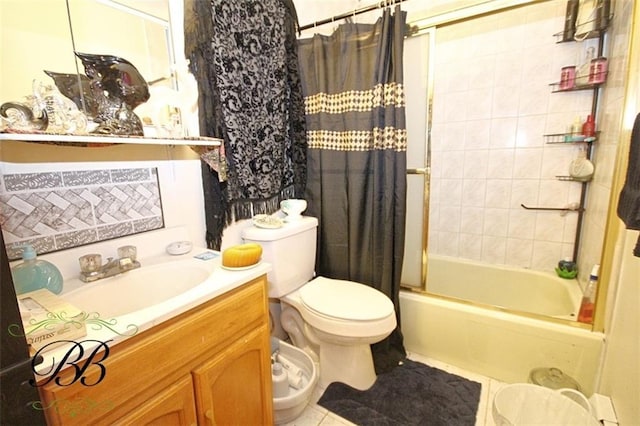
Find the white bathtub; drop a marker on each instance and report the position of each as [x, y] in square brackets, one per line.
[514, 289]
[494, 342]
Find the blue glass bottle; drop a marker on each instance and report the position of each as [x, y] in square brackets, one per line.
[33, 274]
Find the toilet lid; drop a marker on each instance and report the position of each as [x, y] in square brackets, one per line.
[345, 300]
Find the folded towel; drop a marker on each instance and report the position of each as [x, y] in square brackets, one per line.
[629, 201]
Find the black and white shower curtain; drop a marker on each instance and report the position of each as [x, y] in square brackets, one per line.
[356, 159]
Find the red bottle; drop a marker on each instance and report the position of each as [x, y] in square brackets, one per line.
[589, 298]
[589, 127]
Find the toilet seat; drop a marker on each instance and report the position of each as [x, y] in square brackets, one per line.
[326, 312]
[357, 302]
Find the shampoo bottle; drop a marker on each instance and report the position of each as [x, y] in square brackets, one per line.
[589, 297]
[280, 381]
[33, 274]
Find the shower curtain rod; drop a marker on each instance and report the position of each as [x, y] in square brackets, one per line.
[364, 9]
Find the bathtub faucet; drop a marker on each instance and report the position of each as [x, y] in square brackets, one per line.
[92, 269]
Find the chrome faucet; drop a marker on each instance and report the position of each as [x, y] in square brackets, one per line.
[92, 269]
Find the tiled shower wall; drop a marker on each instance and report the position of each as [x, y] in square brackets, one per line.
[493, 104]
[64, 209]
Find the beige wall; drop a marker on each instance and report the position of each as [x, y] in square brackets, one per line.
[35, 36]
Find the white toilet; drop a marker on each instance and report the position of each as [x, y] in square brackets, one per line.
[334, 321]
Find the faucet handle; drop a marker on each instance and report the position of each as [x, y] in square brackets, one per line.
[90, 263]
[129, 252]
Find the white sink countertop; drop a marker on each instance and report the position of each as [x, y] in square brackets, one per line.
[143, 307]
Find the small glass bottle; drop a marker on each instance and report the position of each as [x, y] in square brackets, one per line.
[589, 297]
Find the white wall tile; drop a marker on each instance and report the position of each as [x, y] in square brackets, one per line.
[549, 226]
[477, 104]
[503, 132]
[522, 224]
[472, 221]
[448, 243]
[451, 164]
[527, 163]
[530, 130]
[546, 255]
[500, 163]
[449, 220]
[453, 136]
[508, 70]
[519, 252]
[473, 192]
[475, 164]
[477, 134]
[450, 192]
[498, 193]
[494, 78]
[496, 222]
[494, 249]
[470, 246]
[524, 191]
[506, 100]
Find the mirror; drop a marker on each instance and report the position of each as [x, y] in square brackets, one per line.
[40, 35]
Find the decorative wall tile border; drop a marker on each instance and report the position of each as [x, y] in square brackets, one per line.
[60, 210]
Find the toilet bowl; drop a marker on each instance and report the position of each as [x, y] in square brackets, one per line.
[333, 321]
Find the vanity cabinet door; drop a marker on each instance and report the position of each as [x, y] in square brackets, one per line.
[172, 406]
[234, 387]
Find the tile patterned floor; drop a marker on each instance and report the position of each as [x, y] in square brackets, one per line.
[316, 415]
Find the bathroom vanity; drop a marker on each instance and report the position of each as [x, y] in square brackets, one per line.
[208, 365]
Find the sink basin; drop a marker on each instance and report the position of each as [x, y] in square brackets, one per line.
[139, 288]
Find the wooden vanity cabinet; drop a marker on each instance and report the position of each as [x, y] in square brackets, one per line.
[172, 406]
[210, 365]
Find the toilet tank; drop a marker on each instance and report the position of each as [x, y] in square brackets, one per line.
[291, 251]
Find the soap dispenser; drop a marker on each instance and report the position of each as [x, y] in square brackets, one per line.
[33, 274]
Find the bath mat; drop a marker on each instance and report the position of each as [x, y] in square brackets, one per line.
[411, 394]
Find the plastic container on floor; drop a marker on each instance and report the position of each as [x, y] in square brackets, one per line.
[528, 404]
[288, 408]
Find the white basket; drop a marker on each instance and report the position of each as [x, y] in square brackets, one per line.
[527, 404]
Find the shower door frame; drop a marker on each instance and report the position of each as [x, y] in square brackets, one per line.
[425, 170]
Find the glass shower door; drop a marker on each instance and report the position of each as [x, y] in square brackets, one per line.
[417, 92]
